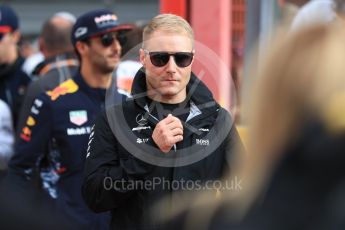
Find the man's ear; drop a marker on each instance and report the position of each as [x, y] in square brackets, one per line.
[16, 36]
[81, 47]
[193, 57]
[41, 45]
[142, 57]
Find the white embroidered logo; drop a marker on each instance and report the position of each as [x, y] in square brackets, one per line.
[202, 142]
[142, 140]
[80, 31]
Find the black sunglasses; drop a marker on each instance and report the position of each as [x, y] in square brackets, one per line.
[109, 38]
[160, 59]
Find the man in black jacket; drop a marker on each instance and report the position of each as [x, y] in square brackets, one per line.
[170, 136]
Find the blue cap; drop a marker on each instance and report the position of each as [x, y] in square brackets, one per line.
[95, 23]
[8, 19]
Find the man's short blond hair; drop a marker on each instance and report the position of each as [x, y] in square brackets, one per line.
[169, 23]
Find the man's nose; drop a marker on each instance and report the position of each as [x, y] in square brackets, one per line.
[171, 65]
[116, 44]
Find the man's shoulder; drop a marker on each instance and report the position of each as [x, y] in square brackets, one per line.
[52, 78]
[224, 118]
[58, 97]
[63, 90]
[42, 84]
[20, 73]
[18, 77]
[127, 106]
[123, 111]
[68, 61]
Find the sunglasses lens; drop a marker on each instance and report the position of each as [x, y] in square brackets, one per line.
[121, 37]
[183, 59]
[107, 40]
[159, 59]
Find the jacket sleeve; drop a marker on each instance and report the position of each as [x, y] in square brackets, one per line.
[31, 143]
[32, 92]
[105, 175]
[233, 145]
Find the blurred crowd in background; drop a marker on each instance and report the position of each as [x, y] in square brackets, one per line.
[291, 120]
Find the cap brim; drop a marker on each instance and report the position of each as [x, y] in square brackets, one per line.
[117, 28]
[5, 29]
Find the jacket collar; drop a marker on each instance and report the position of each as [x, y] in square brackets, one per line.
[200, 97]
[95, 93]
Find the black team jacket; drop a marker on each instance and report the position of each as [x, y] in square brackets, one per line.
[126, 173]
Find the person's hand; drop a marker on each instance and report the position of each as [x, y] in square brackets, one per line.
[168, 132]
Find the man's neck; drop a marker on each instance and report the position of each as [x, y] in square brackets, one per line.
[96, 79]
[166, 99]
[160, 109]
[9, 59]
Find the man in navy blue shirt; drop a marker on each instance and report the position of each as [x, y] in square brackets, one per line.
[61, 119]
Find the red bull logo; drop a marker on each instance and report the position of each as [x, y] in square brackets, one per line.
[26, 134]
[30, 121]
[106, 17]
[68, 86]
[61, 170]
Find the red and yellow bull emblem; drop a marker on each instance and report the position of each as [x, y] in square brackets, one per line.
[61, 170]
[68, 86]
[30, 121]
[26, 134]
